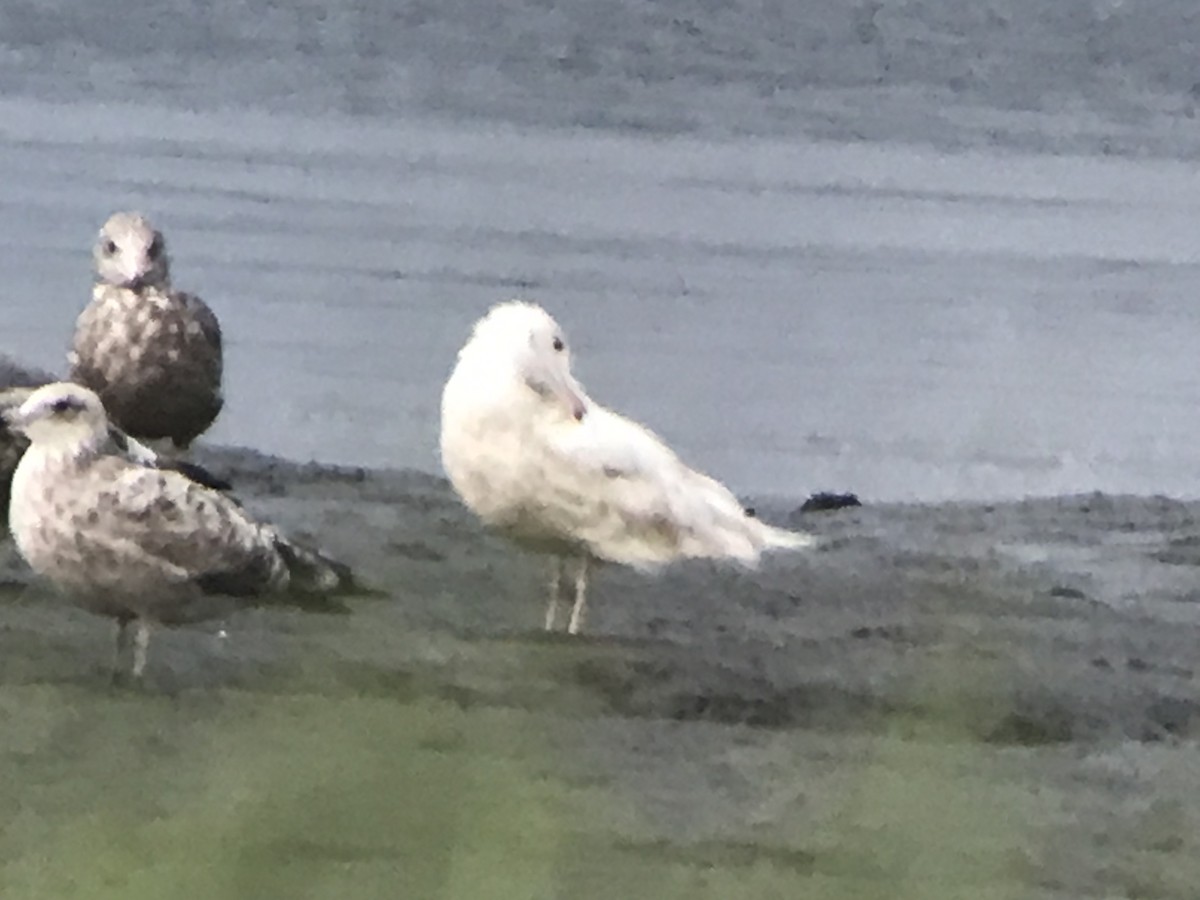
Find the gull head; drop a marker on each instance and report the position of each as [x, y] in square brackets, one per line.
[60, 414]
[131, 253]
[525, 339]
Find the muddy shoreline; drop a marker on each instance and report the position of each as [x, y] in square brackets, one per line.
[1077, 617]
[1046, 646]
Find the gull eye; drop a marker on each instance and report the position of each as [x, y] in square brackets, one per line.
[558, 344]
[65, 404]
[110, 247]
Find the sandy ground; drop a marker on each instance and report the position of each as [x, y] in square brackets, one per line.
[941, 702]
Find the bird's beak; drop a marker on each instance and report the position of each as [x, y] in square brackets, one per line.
[560, 385]
[575, 404]
[132, 278]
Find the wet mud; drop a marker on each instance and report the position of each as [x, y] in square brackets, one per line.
[1010, 688]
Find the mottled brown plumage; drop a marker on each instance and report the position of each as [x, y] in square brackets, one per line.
[151, 353]
[144, 545]
[13, 443]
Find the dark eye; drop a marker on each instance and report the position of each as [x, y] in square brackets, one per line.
[156, 247]
[558, 343]
[110, 247]
[63, 405]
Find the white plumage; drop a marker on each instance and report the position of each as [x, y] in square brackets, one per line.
[536, 459]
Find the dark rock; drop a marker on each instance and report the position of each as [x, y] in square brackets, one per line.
[824, 501]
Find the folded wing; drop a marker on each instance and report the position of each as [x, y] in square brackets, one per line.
[636, 502]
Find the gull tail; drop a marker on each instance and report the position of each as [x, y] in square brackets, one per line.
[318, 579]
[772, 538]
[782, 539]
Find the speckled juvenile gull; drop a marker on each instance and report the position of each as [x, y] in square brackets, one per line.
[537, 460]
[13, 442]
[151, 353]
[144, 545]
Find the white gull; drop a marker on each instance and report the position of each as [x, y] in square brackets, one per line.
[537, 460]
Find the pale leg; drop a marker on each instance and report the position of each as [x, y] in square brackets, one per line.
[580, 598]
[141, 640]
[133, 637]
[556, 574]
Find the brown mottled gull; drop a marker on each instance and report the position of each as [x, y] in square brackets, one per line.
[151, 353]
[144, 545]
[536, 459]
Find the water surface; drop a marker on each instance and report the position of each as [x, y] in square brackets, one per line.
[794, 315]
[890, 249]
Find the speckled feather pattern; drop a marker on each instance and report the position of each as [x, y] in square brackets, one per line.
[130, 540]
[13, 445]
[127, 535]
[154, 357]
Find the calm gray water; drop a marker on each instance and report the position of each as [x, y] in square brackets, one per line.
[920, 251]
